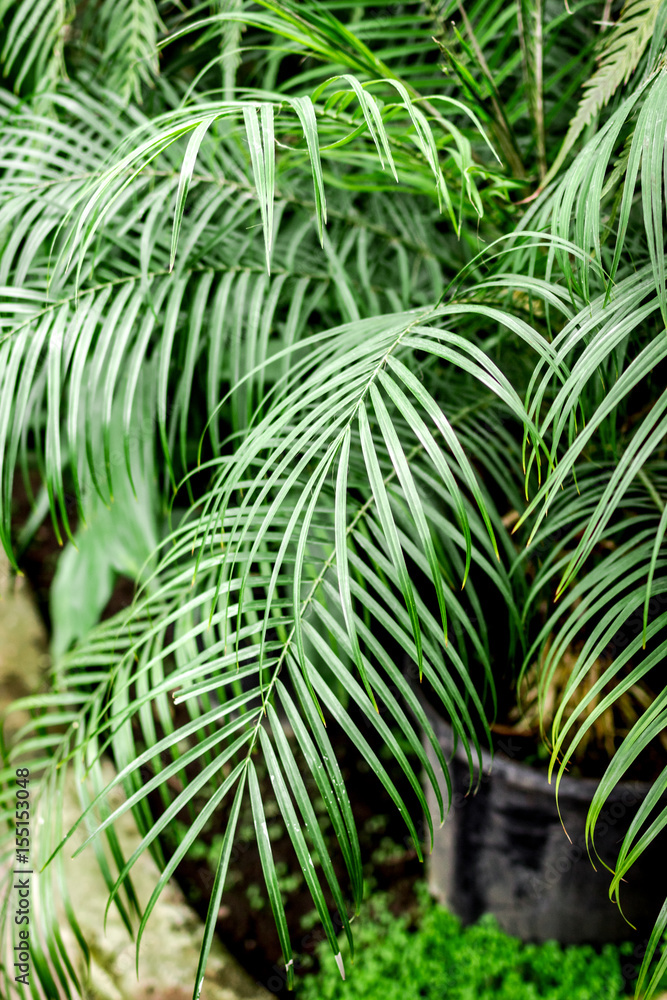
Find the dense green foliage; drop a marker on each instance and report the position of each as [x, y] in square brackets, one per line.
[441, 960]
[340, 329]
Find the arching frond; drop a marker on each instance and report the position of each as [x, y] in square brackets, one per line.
[304, 568]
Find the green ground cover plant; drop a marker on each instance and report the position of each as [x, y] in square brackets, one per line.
[478, 962]
[339, 329]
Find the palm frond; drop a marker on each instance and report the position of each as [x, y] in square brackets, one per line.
[126, 34]
[291, 531]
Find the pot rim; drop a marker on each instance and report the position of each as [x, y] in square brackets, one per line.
[518, 773]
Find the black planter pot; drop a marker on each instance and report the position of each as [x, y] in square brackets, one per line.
[503, 851]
